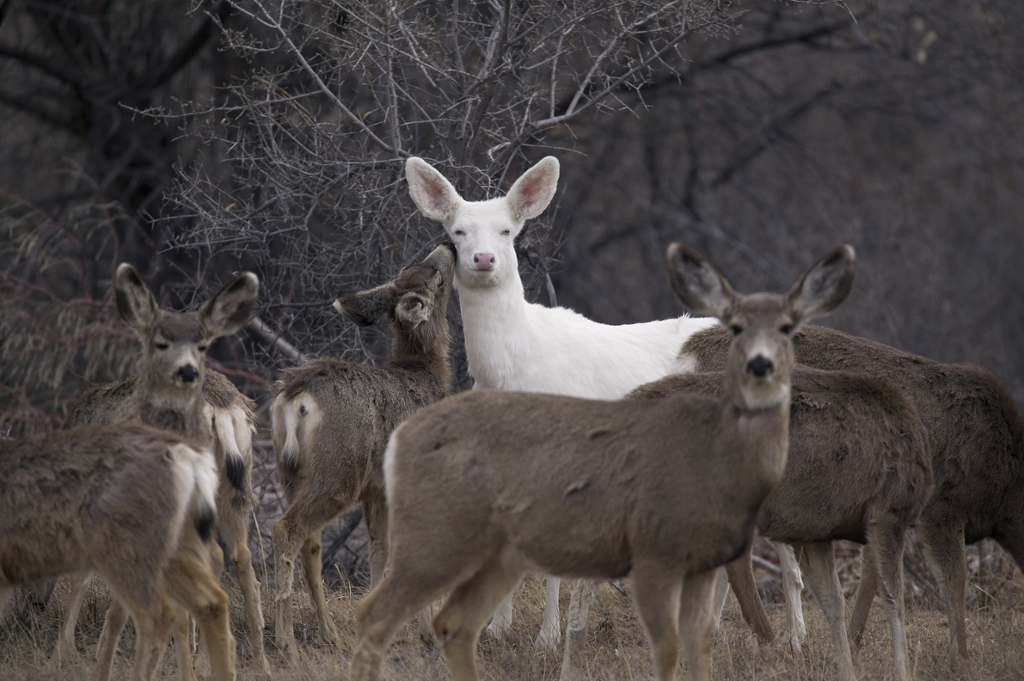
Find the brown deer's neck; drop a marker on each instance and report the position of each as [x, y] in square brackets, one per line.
[179, 411]
[405, 350]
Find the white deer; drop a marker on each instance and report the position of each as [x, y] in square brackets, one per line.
[512, 344]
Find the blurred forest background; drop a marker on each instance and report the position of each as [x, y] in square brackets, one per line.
[195, 141]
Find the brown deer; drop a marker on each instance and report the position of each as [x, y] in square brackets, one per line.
[172, 389]
[331, 421]
[133, 504]
[858, 469]
[976, 437]
[487, 485]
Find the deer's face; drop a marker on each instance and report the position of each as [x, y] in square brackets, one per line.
[762, 350]
[761, 355]
[173, 353]
[483, 233]
[416, 300]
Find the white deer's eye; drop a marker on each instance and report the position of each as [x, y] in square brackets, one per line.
[458, 232]
[506, 232]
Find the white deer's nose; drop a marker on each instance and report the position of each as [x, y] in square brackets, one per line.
[483, 261]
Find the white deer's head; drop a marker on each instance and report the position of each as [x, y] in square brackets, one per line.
[483, 231]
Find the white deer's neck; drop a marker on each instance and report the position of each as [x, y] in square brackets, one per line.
[496, 326]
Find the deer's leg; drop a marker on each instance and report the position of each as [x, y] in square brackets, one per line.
[65, 649]
[299, 528]
[152, 626]
[551, 628]
[865, 593]
[888, 541]
[502, 619]
[945, 546]
[792, 585]
[192, 584]
[820, 562]
[741, 578]
[233, 521]
[457, 626]
[696, 617]
[376, 512]
[584, 593]
[410, 586]
[721, 595]
[184, 636]
[113, 623]
[656, 595]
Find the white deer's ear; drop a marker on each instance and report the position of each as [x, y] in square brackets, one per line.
[135, 302]
[700, 286]
[532, 192]
[411, 311]
[366, 307]
[230, 307]
[824, 286]
[431, 192]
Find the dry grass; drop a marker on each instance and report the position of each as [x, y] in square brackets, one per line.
[617, 648]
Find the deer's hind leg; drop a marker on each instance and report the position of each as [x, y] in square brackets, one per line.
[888, 540]
[819, 561]
[192, 585]
[457, 626]
[65, 649]
[233, 521]
[297, 532]
[411, 585]
[945, 547]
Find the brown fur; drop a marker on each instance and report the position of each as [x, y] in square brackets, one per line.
[105, 499]
[337, 459]
[976, 437]
[487, 485]
[160, 395]
[858, 469]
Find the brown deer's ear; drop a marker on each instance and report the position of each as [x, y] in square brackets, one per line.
[824, 286]
[366, 307]
[532, 192]
[700, 286]
[135, 301]
[231, 307]
[431, 192]
[411, 311]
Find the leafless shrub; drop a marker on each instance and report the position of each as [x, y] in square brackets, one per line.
[309, 189]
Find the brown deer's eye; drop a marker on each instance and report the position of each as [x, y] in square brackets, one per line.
[786, 328]
[736, 329]
[202, 348]
[162, 346]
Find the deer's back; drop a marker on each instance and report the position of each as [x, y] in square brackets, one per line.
[975, 430]
[87, 498]
[357, 408]
[856, 448]
[581, 487]
[106, 403]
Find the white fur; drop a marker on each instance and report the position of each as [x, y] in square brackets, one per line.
[195, 484]
[233, 431]
[515, 345]
[288, 419]
[389, 463]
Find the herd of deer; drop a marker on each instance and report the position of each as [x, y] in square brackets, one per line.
[588, 451]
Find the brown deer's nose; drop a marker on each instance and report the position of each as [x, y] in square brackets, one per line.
[759, 366]
[188, 373]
